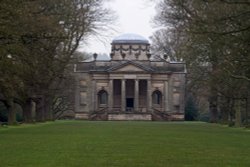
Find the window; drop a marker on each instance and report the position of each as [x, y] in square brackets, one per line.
[156, 97]
[103, 97]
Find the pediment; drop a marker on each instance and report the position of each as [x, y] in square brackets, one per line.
[129, 67]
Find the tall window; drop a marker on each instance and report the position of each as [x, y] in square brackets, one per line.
[156, 97]
[103, 97]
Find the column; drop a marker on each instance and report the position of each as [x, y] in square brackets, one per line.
[136, 97]
[110, 95]
[94, 101]
[77, 96]
[123, 96]
[170, 94]
[166, 95]
[149, 97]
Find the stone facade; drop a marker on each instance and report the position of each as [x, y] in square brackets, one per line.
[130, 86]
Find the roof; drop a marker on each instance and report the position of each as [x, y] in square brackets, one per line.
[108, 66]
[130, 38]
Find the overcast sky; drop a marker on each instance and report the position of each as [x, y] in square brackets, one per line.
[134, 16]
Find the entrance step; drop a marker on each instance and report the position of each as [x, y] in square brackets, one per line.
[129, 117]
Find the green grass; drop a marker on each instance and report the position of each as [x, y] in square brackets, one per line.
[123, 144]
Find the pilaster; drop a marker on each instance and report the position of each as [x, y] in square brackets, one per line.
[110, 95]
[94, 99]
[149, 97]
[166, 96]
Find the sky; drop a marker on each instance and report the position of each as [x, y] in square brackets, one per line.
[134, 16]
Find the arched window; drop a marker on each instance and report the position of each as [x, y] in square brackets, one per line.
[156, 97]
[103, 97]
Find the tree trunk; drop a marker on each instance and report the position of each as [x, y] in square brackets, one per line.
[247, 107]
[40, 110]
[213, 108]
[225, 111]
[11, 112]
[48, 111]
[231, 112]
[238, 113]
[33, 111]
[27, 111]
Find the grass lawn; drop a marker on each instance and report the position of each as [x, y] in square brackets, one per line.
[120, 144]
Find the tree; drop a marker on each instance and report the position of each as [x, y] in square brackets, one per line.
[214, 43]
[38, 39]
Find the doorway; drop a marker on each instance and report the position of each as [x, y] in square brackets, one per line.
[129, 104]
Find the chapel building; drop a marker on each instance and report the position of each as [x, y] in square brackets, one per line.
[131, 85]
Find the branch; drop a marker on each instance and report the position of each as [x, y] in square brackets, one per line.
[236, 2]
[221, 33]
[240, 77]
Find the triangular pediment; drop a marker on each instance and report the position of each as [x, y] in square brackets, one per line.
[129, 67]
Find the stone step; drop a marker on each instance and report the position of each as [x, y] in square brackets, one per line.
[129, 117]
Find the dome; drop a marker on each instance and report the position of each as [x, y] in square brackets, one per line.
[130, 39]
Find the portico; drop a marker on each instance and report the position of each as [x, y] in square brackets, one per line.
[129, 95]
